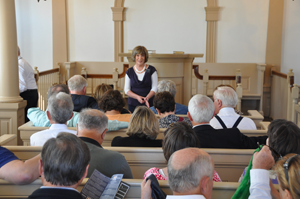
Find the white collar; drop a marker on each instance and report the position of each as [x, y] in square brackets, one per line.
[68, 188]
[58, 126]
[227, 111]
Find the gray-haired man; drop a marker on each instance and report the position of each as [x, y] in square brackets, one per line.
[190, 172]
[63, 165]
[91, 128]
[77, 86]
[60, 110]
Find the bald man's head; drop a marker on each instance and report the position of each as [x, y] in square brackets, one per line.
[188, 169]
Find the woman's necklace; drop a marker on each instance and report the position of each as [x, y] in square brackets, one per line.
[139, 71]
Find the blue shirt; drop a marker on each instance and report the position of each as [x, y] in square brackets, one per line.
[39, 118]
[180, 109]
[6, 156]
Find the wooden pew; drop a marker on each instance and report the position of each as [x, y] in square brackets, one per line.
[27, 129]
[223, 190]
[229, 163]
[8, 140]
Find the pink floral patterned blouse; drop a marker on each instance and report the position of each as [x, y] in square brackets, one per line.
[159, 176]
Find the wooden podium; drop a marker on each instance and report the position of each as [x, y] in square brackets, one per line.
[175, 67]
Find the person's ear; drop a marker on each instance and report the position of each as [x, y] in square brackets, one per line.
[41, 169]
[287, 194]
[189, 116]
[71, 116]
[48, 115]
[204, 186]
[103, 134]
[158, 112]
[77, 129]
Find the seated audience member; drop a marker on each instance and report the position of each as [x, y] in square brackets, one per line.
[170, 86]
[92, 127]
[64, 164]
[60, 110]
[142, 130]
[77, 85]
[16, 171]
[283, 138]
[177, 137]
[99, 92]
[39, 117]
[201, 110]
[164, 104]
[112, 104]
[288, 175]
[190, 172]
[225, 99]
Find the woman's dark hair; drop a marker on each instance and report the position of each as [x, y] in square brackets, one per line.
[179, 136]
[111, 100]
[164, 102]
[284, 137]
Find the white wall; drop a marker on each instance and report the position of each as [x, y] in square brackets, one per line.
[290, 54]
[242, 31]
[91, 30]
[166, 26]
[34, 30]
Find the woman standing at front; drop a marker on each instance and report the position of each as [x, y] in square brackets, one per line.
[140, 80]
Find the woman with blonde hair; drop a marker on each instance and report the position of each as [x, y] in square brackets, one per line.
[142, 130]
[288, 175]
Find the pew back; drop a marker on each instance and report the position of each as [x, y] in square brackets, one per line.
[223, 190]
[27, 129]
[229, 163]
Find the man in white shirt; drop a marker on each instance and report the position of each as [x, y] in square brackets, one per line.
[190, 172]
[225, 99]
[60, 110]
[27, 85]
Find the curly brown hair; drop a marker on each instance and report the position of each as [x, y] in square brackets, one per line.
[111, 100]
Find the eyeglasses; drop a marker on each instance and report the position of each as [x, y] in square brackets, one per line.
[286, 166]
[278, 156]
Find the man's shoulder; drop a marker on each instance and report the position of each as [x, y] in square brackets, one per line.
[48, 193]
[104, 153]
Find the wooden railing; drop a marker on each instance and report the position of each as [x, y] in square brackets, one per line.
[289, 83]
[206, 77]
[96, 78]
[44, 80]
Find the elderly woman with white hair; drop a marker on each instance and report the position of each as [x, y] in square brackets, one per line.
[170, 86]
[225, 99]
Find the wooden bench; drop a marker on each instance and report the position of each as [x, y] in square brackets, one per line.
[8, 140]
[223, 190]
[229, 163]
[27, 129]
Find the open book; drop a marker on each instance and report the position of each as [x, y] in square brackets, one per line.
[100, 186]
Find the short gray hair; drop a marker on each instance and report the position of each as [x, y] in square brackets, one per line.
[60, 107]
[58, 88]
[77, 83]
[92, 119]
[201, 108]
[188, 178]
[227, 95]
[167, 85]
[65, 159]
